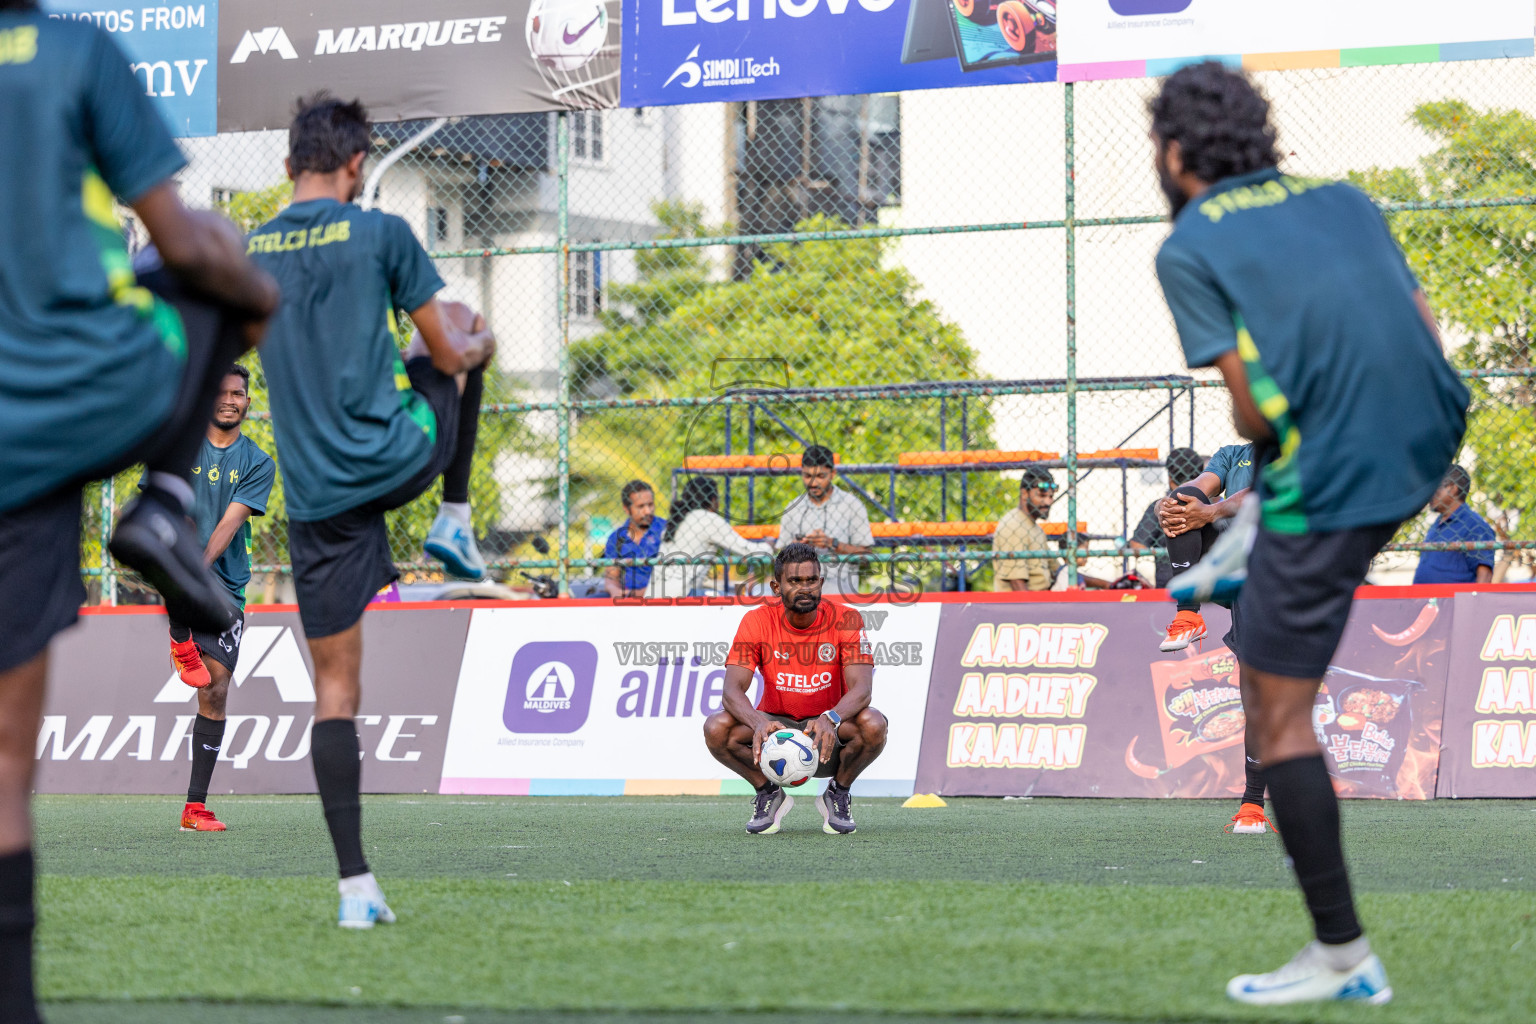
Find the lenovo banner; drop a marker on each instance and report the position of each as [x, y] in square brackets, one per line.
[1076, 700]
[612, 700]
[706, 51]
[172, 50]
[118, 719]
[407, 59]
[1131, 38]
[1489, 746]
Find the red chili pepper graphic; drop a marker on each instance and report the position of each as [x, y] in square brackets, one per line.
[1145, 771]
[1426, 618]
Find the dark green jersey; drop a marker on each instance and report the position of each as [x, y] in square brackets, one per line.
[240, 473]
[349, 428]
[89, 361]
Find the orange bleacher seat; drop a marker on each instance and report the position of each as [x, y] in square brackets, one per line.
[759, 532]
[954, 529]
[1120, 453]
[891, 529]
[930, 458]
[715, 462]
[1060, 529]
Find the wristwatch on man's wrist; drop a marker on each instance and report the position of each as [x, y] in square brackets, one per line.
[835, 718]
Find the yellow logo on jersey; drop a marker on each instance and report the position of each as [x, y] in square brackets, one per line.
[320, 234]
[213, 474]
[18, 45]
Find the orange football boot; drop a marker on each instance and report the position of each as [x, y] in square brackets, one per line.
[198, 818]
[189, 663]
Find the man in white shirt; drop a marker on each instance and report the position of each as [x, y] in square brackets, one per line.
[829, 519]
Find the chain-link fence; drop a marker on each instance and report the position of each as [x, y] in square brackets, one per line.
[945, 288]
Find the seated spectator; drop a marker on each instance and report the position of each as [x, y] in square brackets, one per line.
[828, 519]
[1457, 523]
[1019, 530]
[1184, 465]
[640, 537]
[696, 531]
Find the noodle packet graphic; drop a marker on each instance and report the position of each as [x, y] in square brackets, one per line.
[1198, 705]
[1364, 724]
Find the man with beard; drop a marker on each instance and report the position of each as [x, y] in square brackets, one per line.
[360, 431]
[231, 481]
[817, 677]
[1019, 530]
[1294, 289]
[827, 518]
[639, 537]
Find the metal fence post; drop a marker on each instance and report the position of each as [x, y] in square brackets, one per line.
[1070, 223]
[563, 395]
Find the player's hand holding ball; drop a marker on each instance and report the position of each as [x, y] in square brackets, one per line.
[824, 736]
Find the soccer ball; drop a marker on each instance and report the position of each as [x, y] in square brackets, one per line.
[564, 35]
[789, 757]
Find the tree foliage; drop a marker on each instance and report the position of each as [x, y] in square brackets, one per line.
[813, 314]
[1477, 267]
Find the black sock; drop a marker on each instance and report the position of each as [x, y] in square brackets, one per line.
[180, 634]
[1307, 815]
[207, 739]
[18, 1003]
[1253, 792]
[334, 750]
[456, 476]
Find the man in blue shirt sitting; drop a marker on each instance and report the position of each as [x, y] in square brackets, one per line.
[1457, 524]
[640, 537]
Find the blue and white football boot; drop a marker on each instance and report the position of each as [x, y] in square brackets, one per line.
[452, 542]
[362, 903]
[1309, 978]
[1220, 575]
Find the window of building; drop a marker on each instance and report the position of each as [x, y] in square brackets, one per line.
[437, 225]
[587, 141]
[586, 284]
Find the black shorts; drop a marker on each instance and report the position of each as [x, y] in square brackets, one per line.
[823, 771]
[341, 563]
[224, 647]
[1296, 601]
[40, 587]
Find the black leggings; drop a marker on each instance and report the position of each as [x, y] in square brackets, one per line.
[1185, 550]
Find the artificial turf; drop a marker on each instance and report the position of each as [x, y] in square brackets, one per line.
[511, 909]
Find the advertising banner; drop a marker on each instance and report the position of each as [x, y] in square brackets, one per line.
[406, 59]
[1489, 746]
[1131, 38]
[173, 51]
[607, 700]
[118, 720]
[709, 51]
[1076, 700]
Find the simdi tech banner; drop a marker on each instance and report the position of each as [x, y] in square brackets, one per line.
[1075, 699]
[118, 720]
[1131, 38]
[1489, 746]
[608, 700]
[172, 50]
[708, 51]
[408, 59]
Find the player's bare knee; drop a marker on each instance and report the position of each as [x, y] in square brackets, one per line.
[873, 728]
[717, 730]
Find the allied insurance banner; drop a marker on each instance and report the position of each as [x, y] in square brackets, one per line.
[1076, 700]
[118, 720]
[1489, 745]
[1132, 38]
[172, 50]
[409, 59]
[612, 700]
[708, 51]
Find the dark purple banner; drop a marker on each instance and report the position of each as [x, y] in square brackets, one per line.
[118, 720]
[1489, 747]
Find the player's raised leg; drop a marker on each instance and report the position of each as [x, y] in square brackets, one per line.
[452, 537]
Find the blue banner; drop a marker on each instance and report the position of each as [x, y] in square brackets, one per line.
[703, 51]
[173, 51]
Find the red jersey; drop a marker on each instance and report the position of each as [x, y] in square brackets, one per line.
[802, 669]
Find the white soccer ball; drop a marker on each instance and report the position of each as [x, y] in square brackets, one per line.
[565, 34]
[789, 757]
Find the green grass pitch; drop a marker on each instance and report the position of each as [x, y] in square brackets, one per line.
[661, 909]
